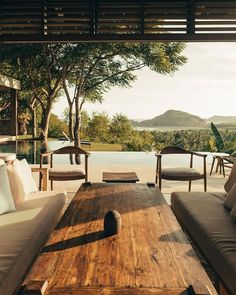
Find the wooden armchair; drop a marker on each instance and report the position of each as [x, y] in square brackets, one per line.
[180, 173]
[72, 172]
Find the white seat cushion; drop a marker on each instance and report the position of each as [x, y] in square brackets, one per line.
[7, 157]
[66, 172]
[16, 182]
[6, 200]
[1, 162]
[28, 180]
[23, 233]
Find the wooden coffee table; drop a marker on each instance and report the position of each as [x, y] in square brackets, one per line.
[150, 255]
[124, 177]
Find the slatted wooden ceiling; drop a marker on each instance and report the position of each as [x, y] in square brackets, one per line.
[99, 20]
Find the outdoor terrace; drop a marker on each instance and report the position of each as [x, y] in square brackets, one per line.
[135, 161]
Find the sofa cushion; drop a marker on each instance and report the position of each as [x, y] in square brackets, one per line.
[6, 200]
[2, 162]
[233, 212]
[16, 182]
[23, 233]
[231, 179]
[230, 199]
[27, 178]
[209, 222]
[6, 157]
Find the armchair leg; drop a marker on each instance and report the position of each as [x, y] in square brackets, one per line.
[51, 185]
[159, 183]
[189, 185]
[212, 165]
[205, 184]
[40, 181]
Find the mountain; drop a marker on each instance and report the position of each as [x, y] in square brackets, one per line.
[222, 119]
[174, 118]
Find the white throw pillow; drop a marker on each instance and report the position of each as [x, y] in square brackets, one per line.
[233, 212]
[6, 201]
[230, 199]
[2, 162]
[28, 180]
[16, 182]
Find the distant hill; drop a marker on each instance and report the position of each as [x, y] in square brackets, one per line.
[173, 118]
[222, 119]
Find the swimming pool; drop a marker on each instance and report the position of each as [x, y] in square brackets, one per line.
[31, 151]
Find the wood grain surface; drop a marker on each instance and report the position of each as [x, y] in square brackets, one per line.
[124, 177]
[150, 254]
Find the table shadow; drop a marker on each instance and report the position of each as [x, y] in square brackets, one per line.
[75, 242]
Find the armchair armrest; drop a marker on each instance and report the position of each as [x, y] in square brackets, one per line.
[199, 154]
[43, 172]
[46, 154]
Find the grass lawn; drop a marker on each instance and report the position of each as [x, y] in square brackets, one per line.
[102, 147]
[95, 146]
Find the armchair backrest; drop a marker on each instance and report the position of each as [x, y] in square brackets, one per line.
[70, 150]
[174, 150]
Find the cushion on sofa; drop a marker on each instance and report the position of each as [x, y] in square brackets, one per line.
[6, 157]
[2, 162]
[16, 182]
[23, 233]
[233, 212]
[6, 200]
[209, 222]
[230, 199]
[27, 178]
[231, 179]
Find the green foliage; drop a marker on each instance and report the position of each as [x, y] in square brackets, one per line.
[56, 127]
[195, 140]
[91, 68]
[98, 127]
[120, 129]
[220, 145]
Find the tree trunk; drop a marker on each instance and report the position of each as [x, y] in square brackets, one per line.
[34, 121]
[71, 122]
[45, 120]
[77, 129]
[77, 123]
[71, 117]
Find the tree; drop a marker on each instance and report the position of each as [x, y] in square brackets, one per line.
[120, 129]
[220, 145]
[40, 68]
[98, 127]
[98, 67]
[56, 126]
[44, 69]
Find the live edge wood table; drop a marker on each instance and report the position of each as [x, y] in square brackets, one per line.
[150, 255]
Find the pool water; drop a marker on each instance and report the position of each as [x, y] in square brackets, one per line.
[31, 151]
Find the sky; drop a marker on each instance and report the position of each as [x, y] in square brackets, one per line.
[204, 86]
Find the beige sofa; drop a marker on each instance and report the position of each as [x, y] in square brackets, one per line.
[207, 221]
[23, 233]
